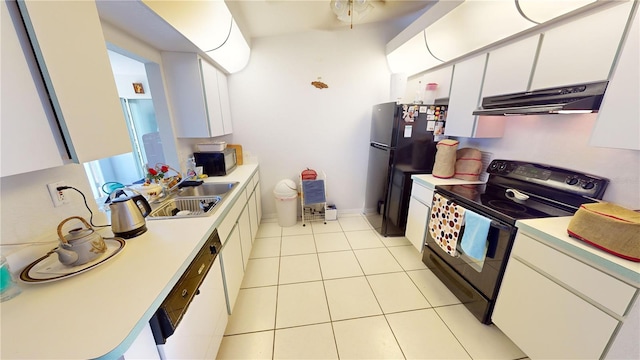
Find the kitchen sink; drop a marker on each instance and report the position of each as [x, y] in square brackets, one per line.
[186, 207]
[207, 189]
[193, 201]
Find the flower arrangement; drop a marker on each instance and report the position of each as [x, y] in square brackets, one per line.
[157, 173]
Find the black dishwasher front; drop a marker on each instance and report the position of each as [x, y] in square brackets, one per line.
[166, 319]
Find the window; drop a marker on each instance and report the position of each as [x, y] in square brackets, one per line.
[143, 131]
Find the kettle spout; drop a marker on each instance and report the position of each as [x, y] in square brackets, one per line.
[67, 257]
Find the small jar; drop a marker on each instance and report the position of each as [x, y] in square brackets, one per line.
[8, 287]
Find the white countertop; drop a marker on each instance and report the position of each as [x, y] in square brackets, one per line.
[553, 231]
[431, 181]
[98, 314]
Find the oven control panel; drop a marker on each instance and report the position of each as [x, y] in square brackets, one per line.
[551, 176]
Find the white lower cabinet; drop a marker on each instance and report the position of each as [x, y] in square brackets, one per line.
[418, 216]
[238, 230]
[626, 344]
[417, 220]
[546, 320]
[200, 331]
[232, 266]
[253, 213]
[143, 347]
[258, 203]
[555, 306]
[244, 226]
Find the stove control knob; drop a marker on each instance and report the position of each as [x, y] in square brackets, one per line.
[572, 181]
[588, 185]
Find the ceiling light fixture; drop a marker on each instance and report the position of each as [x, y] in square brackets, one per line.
[346, 10]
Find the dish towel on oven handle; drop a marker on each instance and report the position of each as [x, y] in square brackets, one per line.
[474, 238]
[445, 223]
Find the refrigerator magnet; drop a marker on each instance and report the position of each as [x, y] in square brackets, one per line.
[423, 109]
[408, 129]
[409, 113]
[431, 125]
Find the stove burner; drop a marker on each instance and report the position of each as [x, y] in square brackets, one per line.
[507, 206]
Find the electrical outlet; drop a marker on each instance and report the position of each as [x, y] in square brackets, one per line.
[58, 198]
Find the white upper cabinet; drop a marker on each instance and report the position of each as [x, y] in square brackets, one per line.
[464, 98]
[199, 94]
[441, 77]
[27, 119]
[509, 68]
[225, 105]
[72, 54]
[416, 87]
[618, 123]
[582, 50]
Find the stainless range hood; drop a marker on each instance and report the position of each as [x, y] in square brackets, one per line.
[580, 98]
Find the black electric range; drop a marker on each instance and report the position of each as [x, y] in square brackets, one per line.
[515, 190]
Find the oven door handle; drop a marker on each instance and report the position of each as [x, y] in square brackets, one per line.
[499, 226]
[492, 238]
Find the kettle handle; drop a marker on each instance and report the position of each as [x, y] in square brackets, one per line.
[141, 199]
[67, 219]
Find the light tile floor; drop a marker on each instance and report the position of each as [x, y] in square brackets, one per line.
[342, 291]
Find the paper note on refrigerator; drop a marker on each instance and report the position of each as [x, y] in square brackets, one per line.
[407, 131]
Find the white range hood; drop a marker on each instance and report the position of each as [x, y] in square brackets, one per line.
[451, 29]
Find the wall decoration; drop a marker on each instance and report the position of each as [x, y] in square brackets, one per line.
[137, 88]
[319, 84]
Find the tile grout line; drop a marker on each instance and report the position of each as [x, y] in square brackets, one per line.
[382, 310]
[275, 317]
[452, 333]
[326, 297]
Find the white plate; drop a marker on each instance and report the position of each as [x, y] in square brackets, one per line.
[48, 268]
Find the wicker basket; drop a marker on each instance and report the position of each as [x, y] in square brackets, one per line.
[609, 227]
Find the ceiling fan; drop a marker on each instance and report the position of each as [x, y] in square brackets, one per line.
[348, 10]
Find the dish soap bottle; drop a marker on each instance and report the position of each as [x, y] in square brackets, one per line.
[8, 287]
[191, 168]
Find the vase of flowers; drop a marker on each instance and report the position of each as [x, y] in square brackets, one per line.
[159, 174]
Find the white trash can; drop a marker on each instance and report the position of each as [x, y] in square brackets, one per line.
[286, 197]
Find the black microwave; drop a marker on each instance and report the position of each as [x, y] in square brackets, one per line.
[217, 163]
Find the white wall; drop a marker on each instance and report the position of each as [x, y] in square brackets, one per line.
[289, 125]
[562, 140]
[28, 215]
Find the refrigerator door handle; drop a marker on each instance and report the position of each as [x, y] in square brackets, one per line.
[379, 145]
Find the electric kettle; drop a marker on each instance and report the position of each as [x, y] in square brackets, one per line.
[128, 213]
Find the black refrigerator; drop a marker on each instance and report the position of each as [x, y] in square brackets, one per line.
[402, 143]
